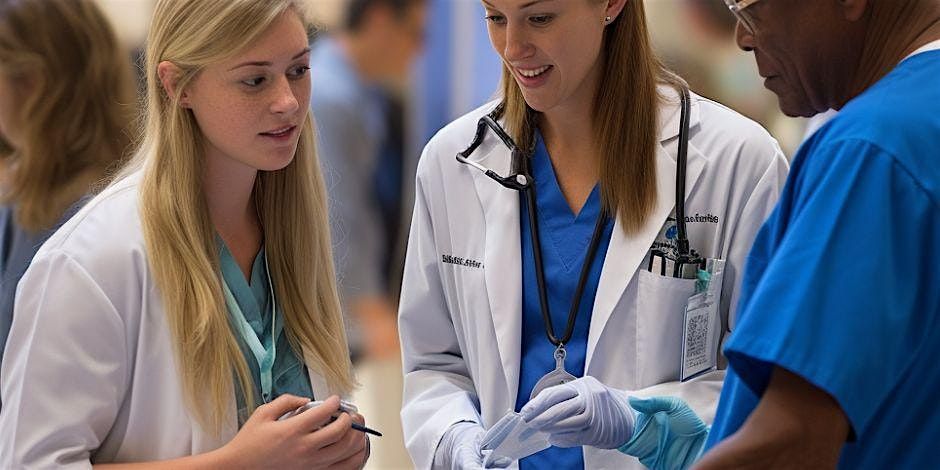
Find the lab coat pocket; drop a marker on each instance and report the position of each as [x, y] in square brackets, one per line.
[660, 312]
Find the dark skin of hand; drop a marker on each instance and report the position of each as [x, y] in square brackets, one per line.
[796, 425]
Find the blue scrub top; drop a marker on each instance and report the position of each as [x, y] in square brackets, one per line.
[842, 286]
[564, 238]
[289, 373]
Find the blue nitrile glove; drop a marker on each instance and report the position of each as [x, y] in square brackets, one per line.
[583, 412]
[668, 435]
[460, 449]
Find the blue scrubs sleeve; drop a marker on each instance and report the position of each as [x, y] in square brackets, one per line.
[839, 297]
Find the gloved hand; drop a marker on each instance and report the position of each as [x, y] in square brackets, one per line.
[583, 412]
[460, 449]
[668, 435]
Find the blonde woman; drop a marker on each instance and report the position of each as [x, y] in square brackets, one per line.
[564, 286]
[187, 307]
[59, 131]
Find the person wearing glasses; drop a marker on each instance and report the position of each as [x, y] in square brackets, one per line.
[833, 359]
[547, 261]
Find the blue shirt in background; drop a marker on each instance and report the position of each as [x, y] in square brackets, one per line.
[842, 286]
[289, 373]
[564, 238]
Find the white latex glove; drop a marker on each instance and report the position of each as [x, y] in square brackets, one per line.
[583, 412]
[460, 449]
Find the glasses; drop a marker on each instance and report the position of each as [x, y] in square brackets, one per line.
[738, 8]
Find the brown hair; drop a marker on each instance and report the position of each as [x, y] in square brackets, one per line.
[76, 111]
[629, 79]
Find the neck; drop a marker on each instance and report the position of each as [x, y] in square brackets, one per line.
[892, 46]
[570, 140]
[361, 53]
[229, 186]
[929, 35]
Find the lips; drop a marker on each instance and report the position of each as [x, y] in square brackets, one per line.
[532, 77]
[532, 73]
[279, 132]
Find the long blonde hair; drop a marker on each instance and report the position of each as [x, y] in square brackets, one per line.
[626, 109]
[75, 111]
[181, 247]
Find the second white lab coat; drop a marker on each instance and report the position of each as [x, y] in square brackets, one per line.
[461, 302]
[89, 374]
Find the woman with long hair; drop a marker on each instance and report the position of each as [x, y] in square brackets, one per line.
[192, 303]
[65, 103]
[585, 244]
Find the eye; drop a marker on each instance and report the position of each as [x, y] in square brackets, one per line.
[541, 20]
[496, 19]
[298, 72]
[254, 81]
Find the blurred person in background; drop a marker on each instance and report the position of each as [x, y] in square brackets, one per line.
[356, 70]
[596, 124]
[190, 304]
[66, 101]
[359, 71]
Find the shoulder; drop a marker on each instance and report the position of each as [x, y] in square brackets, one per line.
[104, 238]
[735, 145]
[897, 118]
[725, 130]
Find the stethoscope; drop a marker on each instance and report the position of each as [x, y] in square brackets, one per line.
[685, 265]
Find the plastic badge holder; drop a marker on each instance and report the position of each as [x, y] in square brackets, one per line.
[511, 438]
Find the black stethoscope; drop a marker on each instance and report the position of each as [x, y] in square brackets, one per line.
[685, 265]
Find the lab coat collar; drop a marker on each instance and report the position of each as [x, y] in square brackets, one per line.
[670, 113]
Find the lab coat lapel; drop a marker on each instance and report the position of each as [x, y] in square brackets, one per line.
[502, 265]
[626, 253]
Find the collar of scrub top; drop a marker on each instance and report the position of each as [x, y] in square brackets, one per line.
[521, 180]
[266, 353]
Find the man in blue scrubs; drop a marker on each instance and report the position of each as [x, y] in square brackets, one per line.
[833, 359]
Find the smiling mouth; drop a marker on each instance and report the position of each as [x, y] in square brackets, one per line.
[533, 73]
[279, 132]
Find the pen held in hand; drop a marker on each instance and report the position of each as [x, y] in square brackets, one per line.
[359, 427]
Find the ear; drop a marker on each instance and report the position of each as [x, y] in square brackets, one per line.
[169, 74]
[614, 7]
[853, 10]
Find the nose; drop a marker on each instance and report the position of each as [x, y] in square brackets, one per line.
[284, 101]
[517, 43]
[743, 37]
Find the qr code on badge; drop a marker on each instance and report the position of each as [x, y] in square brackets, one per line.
[695, 341]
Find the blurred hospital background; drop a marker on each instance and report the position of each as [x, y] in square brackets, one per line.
[454, 70]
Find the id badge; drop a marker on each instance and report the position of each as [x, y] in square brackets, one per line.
[701, 327]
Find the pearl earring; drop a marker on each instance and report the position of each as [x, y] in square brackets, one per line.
[607, 20]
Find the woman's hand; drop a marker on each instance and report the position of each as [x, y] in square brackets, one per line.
[308, 440]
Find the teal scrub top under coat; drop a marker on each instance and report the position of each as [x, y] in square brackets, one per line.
[289, 374]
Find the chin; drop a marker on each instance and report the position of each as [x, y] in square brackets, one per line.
[796, 108]
[276, 161]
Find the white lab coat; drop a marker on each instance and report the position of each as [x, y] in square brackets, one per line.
[89, 374]
[461, 324]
